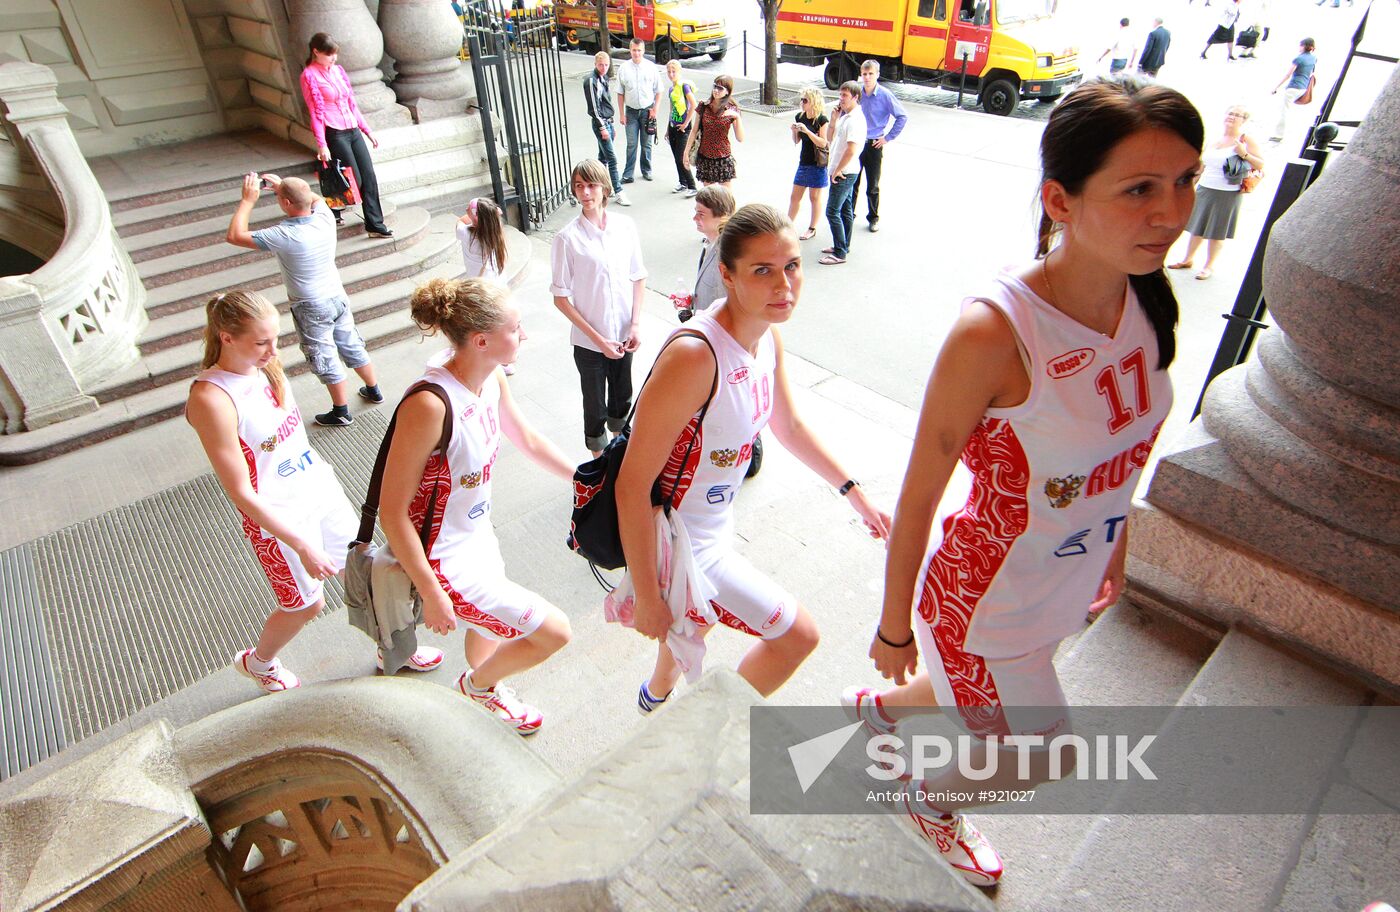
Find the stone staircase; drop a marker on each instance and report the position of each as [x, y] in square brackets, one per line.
[176, 238]
[1180, 863]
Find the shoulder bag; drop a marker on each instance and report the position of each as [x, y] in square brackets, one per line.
[593, 531]
[1306, 97]
[366, 608]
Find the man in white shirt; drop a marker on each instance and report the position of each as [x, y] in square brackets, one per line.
[598, 282]
[639, 100]
[843, 161]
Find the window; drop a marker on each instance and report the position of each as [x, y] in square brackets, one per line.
[925, 10]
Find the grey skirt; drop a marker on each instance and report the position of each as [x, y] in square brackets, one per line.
[1214, 216]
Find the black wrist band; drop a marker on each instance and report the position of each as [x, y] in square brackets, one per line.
[881, 635]
[846, 488]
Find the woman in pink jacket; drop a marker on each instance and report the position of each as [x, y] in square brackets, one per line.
[339, 127]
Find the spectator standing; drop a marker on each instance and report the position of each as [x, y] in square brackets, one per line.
[1225, 30]
[878, 107]
[304, 244]
[598, 282]
[339, 127]
[713, 207]
[1217, 200]
[640, 99]
[598, 97]
[1154, 50]
[1294, 83]
[681, 104]
[715, 158]
[811, 178]
[1122, 52]
[846, 135]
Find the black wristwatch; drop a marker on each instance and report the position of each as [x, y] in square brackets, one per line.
[846, 488]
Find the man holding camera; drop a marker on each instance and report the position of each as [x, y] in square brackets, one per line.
[640, 101]
[304, 244]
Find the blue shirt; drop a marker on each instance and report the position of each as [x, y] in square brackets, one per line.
[305, 249]
[1303, 66]
[878, 107]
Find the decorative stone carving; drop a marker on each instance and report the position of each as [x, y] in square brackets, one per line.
[1297, 454]
[423, 37]
[361, 47]
[74, 321]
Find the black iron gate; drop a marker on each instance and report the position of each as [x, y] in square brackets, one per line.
[520, 91]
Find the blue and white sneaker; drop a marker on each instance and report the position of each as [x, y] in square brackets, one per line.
[646, 703]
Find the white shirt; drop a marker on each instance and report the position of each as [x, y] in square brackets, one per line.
[640, 83]
[1122, 48]
[474, 258]
[850, 128]
[595, 268]
[1229, 15]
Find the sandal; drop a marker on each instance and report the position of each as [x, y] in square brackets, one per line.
[808, 234]
[1184, 264]
[1204, 274]
[831, 259]
[828, 250]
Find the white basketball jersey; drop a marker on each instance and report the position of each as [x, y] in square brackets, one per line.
[723, 446]
[461, 530]
[283, 468]
[1052, 480]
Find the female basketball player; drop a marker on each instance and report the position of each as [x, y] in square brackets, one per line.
[294, 512]
[459, 572]
[1051, 389]
[761, 266]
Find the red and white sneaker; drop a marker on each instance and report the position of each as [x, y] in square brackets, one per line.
[863, 704]
[425, 659]
[959, 842]
[275, 679]
[502, 703]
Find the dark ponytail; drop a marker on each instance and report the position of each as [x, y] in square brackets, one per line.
[1083, 129]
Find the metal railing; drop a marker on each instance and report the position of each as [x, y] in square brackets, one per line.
[520, 92]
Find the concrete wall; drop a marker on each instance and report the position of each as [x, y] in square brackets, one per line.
[254, 71]
[130, 74]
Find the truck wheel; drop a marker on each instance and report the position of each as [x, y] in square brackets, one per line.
[719, 55]
[665, 53]
[568, 38]
[1000, 97]
[837, 71]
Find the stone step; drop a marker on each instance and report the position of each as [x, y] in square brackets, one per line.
[177, 363]
[1189, 862]
[1128, 657]
[258, 270]
[290, 167]
[178, 268]
[136, 226]
[210, 232]
[438, 244]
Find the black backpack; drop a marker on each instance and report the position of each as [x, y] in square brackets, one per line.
[593, 529]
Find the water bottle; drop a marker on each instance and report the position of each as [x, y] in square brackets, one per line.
[681, 299]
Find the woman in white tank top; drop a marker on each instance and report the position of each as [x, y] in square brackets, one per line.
[1051, 390]
[459, 573]
[295, 514]
[761, 264]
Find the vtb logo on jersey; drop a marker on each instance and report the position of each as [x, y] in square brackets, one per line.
[1070, 363]
[738, 375]
[1063, 491]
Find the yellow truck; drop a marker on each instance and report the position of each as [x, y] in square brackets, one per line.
[670, 28]
[1009, 50]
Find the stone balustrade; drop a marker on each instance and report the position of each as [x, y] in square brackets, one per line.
[74, 321]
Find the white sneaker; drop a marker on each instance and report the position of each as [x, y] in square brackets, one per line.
[959, 842]
[425, 659]
[621, 199]
[690, 192]
[863, 704]
[274, 680]
[678, 188]
[502, 703]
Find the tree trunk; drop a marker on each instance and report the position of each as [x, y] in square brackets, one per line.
[770, 50]
[604, 41]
